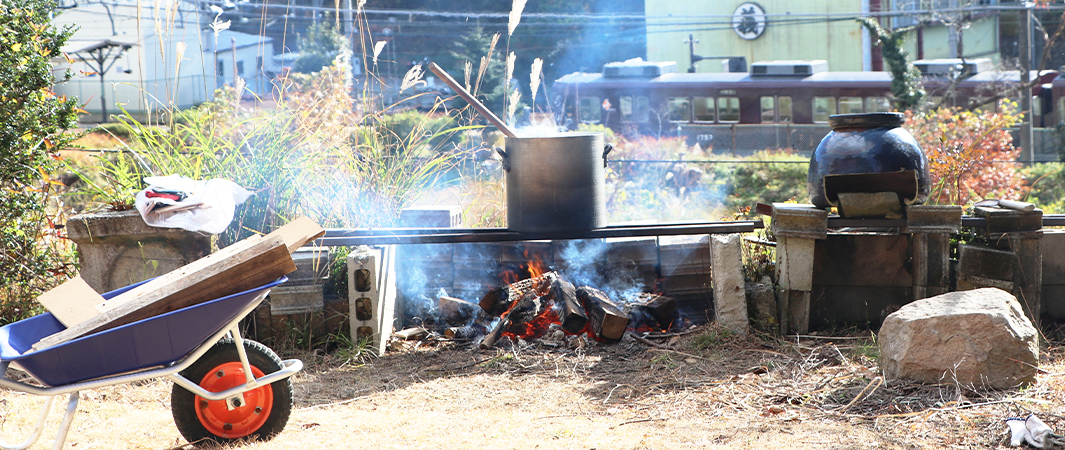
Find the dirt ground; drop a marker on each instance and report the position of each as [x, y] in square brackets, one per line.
[701, 389]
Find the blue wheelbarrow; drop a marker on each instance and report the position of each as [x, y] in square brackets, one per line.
[225, 388]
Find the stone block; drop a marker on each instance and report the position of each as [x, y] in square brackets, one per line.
[298, 299]
[1053, 251]
[1001, 220]
[979, 339]
[862, 259]
[980, 266]
[795, 263]
[730, 299]
[431, 216]
[933, 219]
[116, 249]
[800, 221]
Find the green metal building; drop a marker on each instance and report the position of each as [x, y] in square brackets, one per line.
[766, 30]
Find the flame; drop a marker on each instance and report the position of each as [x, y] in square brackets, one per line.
[536, 265]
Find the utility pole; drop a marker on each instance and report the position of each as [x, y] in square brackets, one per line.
[1025, 56]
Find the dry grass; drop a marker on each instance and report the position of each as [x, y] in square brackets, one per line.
[704, 389]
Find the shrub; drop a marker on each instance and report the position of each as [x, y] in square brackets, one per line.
[962, 149]
[767, 176]
[35, 123]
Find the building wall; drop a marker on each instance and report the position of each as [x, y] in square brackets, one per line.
[810, 29]
[155, 78]
[814, 33]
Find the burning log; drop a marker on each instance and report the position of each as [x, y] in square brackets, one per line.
[498, 300]
[608, 320]
[661, 307]
[523, 311]
[455, 310]
[463, 333]
[573, 317]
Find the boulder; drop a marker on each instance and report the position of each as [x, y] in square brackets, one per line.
[979, 338]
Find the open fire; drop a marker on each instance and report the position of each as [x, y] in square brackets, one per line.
[547, 304]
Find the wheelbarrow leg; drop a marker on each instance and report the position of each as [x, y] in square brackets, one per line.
[64, 426]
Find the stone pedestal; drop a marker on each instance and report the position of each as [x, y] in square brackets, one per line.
[930, 227]
[730, 299]
[116, 249]
[796, 227]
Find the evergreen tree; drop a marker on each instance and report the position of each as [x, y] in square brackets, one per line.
[33, 127]
[319, 47]
[905, 78]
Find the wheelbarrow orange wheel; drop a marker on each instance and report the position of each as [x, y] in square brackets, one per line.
[259, 414]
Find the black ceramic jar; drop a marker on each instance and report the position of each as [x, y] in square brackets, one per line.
[866, 143]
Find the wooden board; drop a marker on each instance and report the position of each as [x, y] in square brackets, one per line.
[244, 265]
[72, 302]
[298, 233]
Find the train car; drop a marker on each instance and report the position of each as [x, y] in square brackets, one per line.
[652, 98]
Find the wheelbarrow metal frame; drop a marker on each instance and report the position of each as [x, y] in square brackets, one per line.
[291, 366]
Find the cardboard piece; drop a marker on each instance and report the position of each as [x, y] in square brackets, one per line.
[72, 302]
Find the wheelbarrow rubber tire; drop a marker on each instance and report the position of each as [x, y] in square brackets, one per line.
[265, 410]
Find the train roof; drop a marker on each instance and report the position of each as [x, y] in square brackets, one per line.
[835, 79]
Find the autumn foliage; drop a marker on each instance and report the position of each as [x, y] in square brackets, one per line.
[970, 153]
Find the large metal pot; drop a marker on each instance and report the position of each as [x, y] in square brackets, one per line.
[556, 183]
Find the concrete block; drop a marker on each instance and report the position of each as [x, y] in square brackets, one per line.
[1001, 220]
[861, 259]
[800, 221]
[795, 263]
[869, 205]
[980, 266]
[297, 299]
[116, 249]
[843, 306]
[1053, 251]
[372, 302]
[931, 264]
[730, 300]
[312, 266]
[431, 216]
[933, 219]
[684, 255]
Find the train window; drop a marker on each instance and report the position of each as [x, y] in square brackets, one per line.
[823, 107]
[643, 109]
[625, 108]
[784, 109]
[704, 109]
[590, 109]
[680, 110]
[769, 109]
[728, 109]
[634, 109]
[877, 104]
[850, 105]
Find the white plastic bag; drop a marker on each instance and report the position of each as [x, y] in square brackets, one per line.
[207, 206]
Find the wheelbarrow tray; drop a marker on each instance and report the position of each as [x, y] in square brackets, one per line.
[156, 341]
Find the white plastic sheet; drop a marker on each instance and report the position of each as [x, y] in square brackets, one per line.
[207, 207]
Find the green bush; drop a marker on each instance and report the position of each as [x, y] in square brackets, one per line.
[1046, 186]
[35, 124]
[781, 180]
[410, 130]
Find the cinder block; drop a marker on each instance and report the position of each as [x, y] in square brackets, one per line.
[933, 219]
[1001, 220]
[296, 299]
[799, 221]
[372, 294]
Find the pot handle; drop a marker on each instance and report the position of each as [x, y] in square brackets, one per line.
[506, 158]
[606, 150]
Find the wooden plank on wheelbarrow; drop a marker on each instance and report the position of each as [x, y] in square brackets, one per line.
[244, 265]
[299, 232]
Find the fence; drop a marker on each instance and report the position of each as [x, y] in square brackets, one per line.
[744, 140]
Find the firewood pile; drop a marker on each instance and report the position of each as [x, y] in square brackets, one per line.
[548, 308]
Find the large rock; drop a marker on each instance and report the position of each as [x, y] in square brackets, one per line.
[980, 338]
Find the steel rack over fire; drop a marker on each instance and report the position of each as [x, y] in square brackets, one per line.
[388, 236]
[336, 237]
